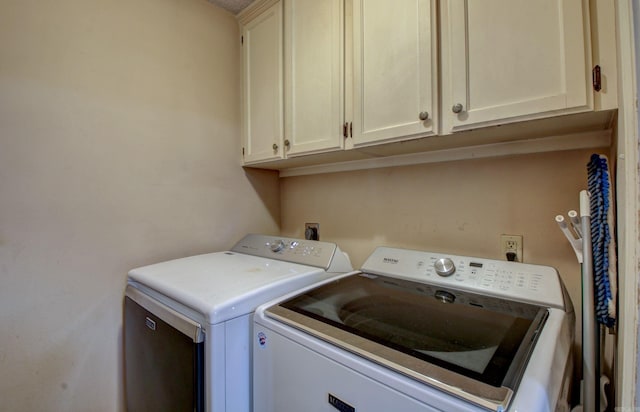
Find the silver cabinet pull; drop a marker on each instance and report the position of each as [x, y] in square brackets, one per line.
[423, 115]
[457, 108]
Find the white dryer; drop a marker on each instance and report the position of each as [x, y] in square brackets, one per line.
[418, 331]
[187, 322]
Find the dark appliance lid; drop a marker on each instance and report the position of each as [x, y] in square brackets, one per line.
[473, 346]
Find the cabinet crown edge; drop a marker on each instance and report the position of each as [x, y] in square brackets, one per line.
[254, 10]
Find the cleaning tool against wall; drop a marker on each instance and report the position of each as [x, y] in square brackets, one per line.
[581, 244]
[599, 274]
[590, 369]
[604, 257]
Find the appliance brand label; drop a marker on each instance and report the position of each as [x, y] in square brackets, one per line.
[393, 261]
[262, 339]
[150, 323]
[339, 404]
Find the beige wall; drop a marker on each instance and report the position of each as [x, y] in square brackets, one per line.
[457, 207]
[119, 143]
[119, 147]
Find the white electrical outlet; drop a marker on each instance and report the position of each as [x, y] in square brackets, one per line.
[512, 244]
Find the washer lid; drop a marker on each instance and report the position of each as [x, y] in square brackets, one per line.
[224, 285]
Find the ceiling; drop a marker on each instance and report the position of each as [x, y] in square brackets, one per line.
[234, 6]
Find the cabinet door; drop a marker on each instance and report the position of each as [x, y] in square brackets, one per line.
[511, 60]
[394, 70]
[314, 76]
[262, 125]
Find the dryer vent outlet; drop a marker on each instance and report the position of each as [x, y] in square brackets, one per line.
[312, 231]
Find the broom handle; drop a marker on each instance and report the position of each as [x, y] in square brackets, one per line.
[589, 336]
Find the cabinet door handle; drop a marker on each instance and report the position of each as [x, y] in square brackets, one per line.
[457, 108]
[286, 143]
[423, 115]
[275, 146]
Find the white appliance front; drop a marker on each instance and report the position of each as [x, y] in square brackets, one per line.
[391, 338]
[217, 293]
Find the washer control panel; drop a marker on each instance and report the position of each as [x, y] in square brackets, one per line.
[325, 255]
[487, 274]
[520, 281]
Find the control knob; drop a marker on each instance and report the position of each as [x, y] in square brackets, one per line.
[445, 267]
[277, 246]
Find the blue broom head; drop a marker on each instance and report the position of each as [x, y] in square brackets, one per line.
[599, 189]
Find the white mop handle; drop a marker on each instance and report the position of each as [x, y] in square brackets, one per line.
[585, 208]
[589, 326]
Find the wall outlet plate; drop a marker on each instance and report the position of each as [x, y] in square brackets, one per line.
[512, 244]
[312, 231]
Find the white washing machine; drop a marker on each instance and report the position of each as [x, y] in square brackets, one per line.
[418, 331]
[187, 323]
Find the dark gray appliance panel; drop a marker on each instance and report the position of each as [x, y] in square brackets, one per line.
[164, 368]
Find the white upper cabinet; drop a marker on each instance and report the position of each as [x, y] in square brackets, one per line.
[511, 60]
[395, 74]
[262, 123]
[334, 78]
[314, 76]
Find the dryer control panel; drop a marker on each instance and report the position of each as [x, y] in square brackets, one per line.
[324, 255]
[520, 281]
